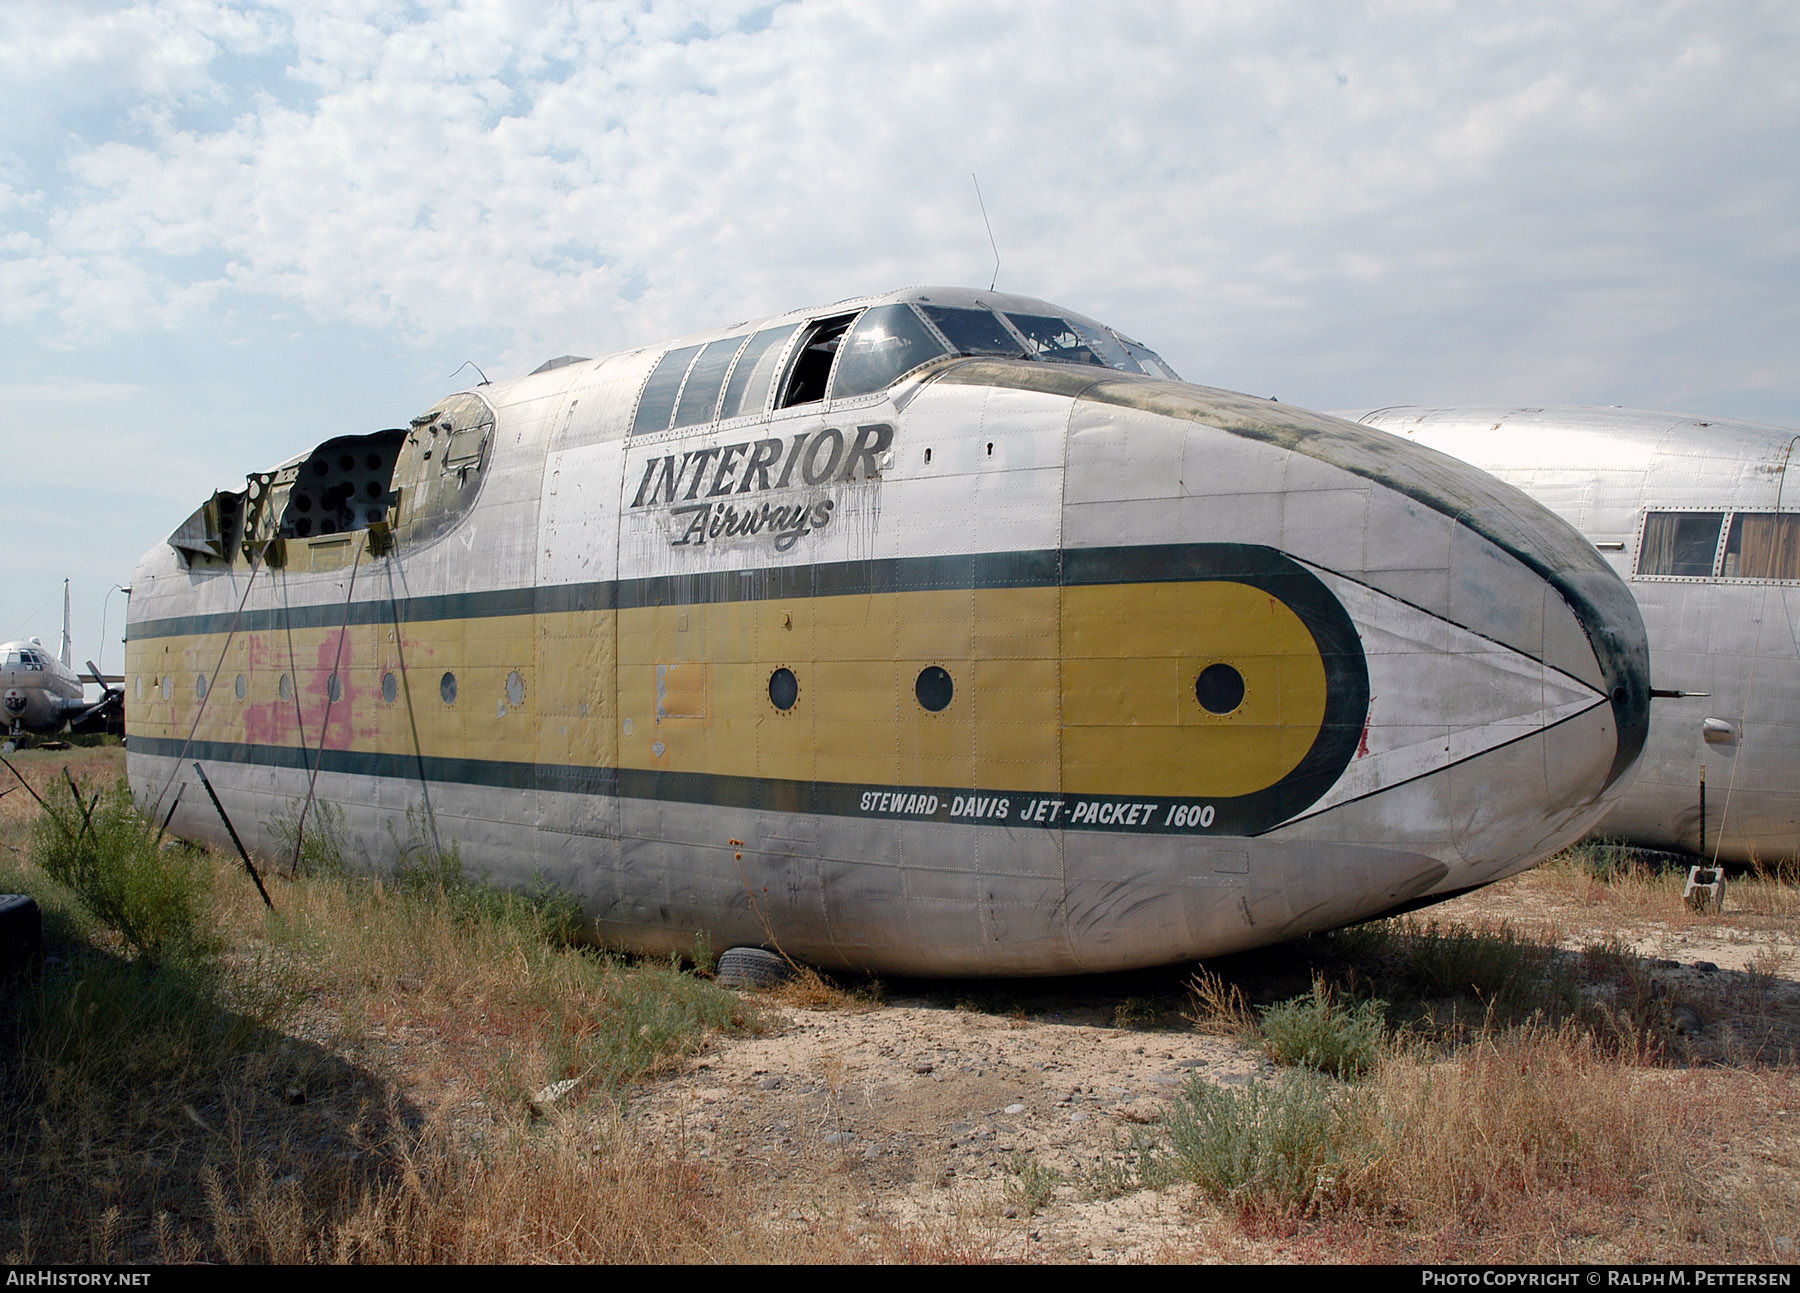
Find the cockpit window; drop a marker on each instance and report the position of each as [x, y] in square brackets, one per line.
[700, 395]
[1105, 345]
[974, 331]
[748, 390]
[1055, 339]
[1151, 362]
[656, 406]
[886, 342]
[810, 371]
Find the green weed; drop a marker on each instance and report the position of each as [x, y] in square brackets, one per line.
[320, 839]
[1144, 1164]
[1318, 1032]
[633, 1021]
[1288, 1147]
[157, 898]
[1032, 1183]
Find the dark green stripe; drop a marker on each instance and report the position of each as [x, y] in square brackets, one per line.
[1037, 569]
[1044, 568]
[1243, 815]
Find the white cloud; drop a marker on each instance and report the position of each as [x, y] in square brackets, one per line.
[1262, 191]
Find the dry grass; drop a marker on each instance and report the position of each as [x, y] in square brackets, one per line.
[256, 1106]
[1215, 1006]
[1535, 1145]
[580, 1191]
[1542, 1100]
[807, 989]
[1615, 880]
[1531, 1120]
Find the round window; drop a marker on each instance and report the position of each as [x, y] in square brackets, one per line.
[200, 686]
[285, 687]
[447, 688]
[242, 687]
[390, 687]
[934, 688]
[784, 689]
[1219, 689]
[334, 690]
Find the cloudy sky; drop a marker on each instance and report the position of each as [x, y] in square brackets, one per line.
[230, 230]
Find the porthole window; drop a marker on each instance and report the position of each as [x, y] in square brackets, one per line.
[1219, 689]
[515, 689]
[200, 686]
[447, 688]
[390, 687]
[242, 686]
[334, 690]
[168, 687]
[285, 687]
[140, 686]
[784, 689]
[934, 688]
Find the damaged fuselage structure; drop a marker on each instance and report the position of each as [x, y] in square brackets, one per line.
[938, 632]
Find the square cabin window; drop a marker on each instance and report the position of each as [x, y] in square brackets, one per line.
[1682, 544]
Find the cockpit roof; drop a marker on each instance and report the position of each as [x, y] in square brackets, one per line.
[964, 321]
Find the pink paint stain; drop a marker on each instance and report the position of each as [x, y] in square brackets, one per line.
[328, 721]
[1362, 747]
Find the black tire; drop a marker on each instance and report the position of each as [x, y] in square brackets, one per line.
[752, 967]
[21, 934]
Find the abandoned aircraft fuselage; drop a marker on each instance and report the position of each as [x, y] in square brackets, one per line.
[42, 694]
[939, 632]
[38, 692]
[1696, 515]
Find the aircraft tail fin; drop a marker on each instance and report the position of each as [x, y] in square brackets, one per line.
[66, 652]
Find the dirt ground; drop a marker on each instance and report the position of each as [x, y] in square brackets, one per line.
[945, 1107]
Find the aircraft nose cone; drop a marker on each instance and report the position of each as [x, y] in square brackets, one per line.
[1508, 689]
[1506, 666]
[1609, 616]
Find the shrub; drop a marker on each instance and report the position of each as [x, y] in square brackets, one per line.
[1288, 1147]
[1316, 1032]
[157, 898]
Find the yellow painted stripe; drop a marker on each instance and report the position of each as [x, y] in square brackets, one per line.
[1086, 689]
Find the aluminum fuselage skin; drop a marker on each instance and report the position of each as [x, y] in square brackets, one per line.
[996, 589]
[1738, 640]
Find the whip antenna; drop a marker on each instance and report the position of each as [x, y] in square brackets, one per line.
[990, 231]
